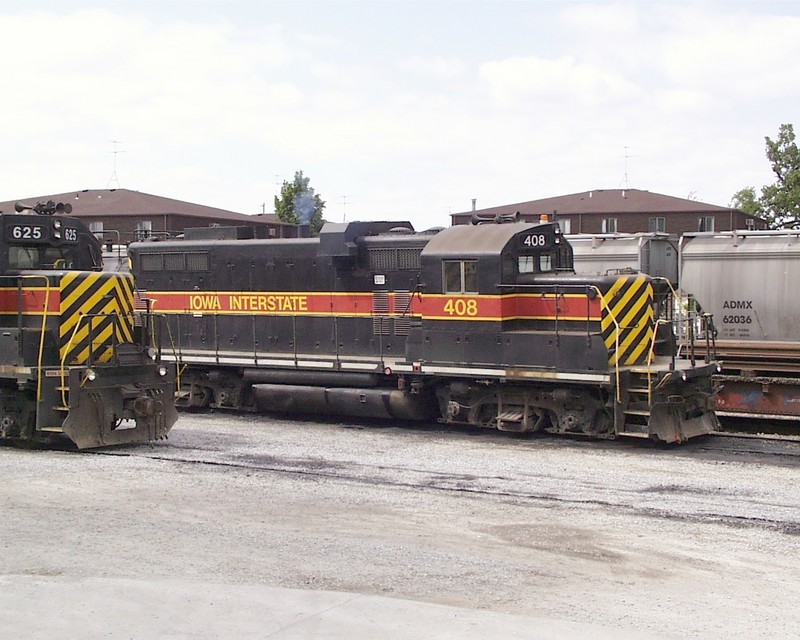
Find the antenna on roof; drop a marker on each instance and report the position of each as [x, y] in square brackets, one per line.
[344, 208]
[114, 179]
[624, 183]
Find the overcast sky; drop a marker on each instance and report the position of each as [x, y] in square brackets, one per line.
[394, 110]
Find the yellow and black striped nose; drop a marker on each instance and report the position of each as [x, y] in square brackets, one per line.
[628, 310]
[96, 313]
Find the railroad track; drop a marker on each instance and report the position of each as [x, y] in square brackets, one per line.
[522, 486]
[750, 443]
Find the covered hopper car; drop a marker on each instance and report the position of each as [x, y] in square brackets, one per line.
[483, 325]
[77, 361]
[748, 281]
[655, 254]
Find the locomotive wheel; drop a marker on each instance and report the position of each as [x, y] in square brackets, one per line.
[193, 396]
[17, 414]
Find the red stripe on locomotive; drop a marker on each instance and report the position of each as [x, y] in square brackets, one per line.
[32, 300]
[475, 307]
[510, 307]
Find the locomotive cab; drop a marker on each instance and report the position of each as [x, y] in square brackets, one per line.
[495, 293]
[34, 242]
[478, 259]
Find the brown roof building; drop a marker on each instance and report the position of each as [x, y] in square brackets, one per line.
[122, 216]
[623, 211]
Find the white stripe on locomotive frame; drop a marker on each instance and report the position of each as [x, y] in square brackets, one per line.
[396, 367]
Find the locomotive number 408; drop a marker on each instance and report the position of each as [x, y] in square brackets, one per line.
[535, 240]
[461, 307]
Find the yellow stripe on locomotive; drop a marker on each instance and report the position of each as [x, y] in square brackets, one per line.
[96, 313]
[628, 310]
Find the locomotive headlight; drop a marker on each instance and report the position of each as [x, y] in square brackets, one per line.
[151, 353]
[684, 376]
[91, 375]
[57, 224]
[56, 234]
[162, 371]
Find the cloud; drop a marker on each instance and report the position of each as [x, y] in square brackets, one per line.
[732, 53]
[211, 106]
[603, 19]
[436, 67]
[517, 82]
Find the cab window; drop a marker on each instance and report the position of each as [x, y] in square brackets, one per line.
[537, 263]
[23, 258]
[460, 276]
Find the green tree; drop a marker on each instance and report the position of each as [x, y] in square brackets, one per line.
[298, 204]
[747, 201]
[781, 201]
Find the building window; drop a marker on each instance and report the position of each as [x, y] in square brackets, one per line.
[566, 225]
[144, 229]
[658, 224]
[750, 224]
[609, 225]
[460, 276]
[706, 223]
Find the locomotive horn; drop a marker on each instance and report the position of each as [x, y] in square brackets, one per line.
[503, 218]
[44, 208]
[477, 218]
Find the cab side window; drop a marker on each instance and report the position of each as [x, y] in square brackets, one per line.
[537, 263]
[460, 276]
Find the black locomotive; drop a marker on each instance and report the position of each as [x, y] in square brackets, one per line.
[77, 360]
[484, 325]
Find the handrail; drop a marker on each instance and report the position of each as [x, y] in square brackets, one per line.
[45, 311]
[586, 288]
[68, 347]
[617, 330]
[651, 356]
[150, 303]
